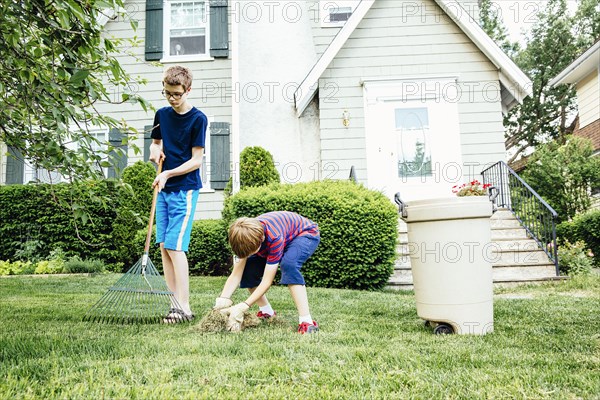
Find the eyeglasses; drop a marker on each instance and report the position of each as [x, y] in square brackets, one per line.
[176, 96]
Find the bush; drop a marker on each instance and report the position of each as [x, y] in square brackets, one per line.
[358, 229]
[209, 253]
[46, 222]
[257, 167]
[585, 227]
[50, 267]
[573, 259]
[17, 267]
[76, 265]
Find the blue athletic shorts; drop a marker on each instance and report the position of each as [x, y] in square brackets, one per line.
[174, 217]
[294, 256]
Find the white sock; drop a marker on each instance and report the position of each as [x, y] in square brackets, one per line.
[267, 309]
[305, 318]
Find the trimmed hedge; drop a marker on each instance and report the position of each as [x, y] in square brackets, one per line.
[358, 229]
[209, 253]
[38, 213]
[584, 227]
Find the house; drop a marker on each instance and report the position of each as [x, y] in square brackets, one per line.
[584, 73]
[410, 95]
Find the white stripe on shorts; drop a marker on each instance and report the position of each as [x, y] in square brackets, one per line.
[188, 211]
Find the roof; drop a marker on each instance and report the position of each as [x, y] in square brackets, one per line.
[586, 63]
[516, 85]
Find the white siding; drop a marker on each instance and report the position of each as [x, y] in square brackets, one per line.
[588, 99]
[211, 93]
[388, 43]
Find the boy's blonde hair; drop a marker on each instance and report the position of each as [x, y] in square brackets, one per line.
[245, 236]
[178, 75]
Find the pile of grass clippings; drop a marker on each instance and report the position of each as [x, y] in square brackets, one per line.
[214, 322]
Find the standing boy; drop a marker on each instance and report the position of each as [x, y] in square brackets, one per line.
[177, 139]
[262, 244]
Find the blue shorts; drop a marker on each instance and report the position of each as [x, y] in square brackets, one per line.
[174, 217]
[294, 256]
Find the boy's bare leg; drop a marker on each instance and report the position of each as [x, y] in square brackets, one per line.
[263, 301]
[181, 278]
[168, 269]
[300, 298]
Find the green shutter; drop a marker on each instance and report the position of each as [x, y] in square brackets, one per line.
[115, 138]
[219, 29]
[147, 141]
[154, 30]
[15, 167]
[219, 155]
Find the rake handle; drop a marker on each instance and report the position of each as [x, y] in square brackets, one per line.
[152, 211]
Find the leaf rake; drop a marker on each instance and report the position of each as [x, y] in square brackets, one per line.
[141, 295]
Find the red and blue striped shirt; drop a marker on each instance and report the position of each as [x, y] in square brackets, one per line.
[281, 227]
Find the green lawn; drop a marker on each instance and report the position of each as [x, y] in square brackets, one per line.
[371, 345]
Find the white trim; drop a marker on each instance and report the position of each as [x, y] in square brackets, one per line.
[510, 76]
[167, 57]
[580, 68]
[235, 105]
[307, 89]
[188, 212]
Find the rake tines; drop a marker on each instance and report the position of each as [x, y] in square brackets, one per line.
[140, 296]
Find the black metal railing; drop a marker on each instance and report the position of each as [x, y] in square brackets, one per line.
[534, 214]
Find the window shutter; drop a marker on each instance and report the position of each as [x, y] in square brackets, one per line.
[15, 167]
[219, 155]
[147, 141]
[219, 29]
[115, 138]
[154, 30]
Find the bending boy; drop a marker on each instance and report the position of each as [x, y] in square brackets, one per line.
[261, 245]
[178, 139]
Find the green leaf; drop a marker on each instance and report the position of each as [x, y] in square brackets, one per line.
[79, 76]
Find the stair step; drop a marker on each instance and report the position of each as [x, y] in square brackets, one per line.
[516, 244]
[504, 223]
[503, 214]
[514, 283]
[402, 262]
[519, 258]
[401, 276]
[509, 233]
[523, 273]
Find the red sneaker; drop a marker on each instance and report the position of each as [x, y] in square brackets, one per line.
[305, 327]
[265, 316]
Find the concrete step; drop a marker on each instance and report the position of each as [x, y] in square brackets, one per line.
[509, 233]
[503, 214]
[402, 262]
[504, 223]
[511, 284]
[516, 244]
[402, 237]
[523, 273]
[401, 276]
[519, 258]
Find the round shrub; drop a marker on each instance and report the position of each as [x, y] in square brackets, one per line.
[358, 228]
[208, 254]
[257, 167]
[584, 227]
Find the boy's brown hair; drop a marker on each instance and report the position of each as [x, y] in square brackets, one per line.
[245, 236]
[178, 75]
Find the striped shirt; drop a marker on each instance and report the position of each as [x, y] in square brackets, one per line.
[281, 227]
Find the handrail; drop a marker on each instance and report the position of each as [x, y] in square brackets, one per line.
[533, 213]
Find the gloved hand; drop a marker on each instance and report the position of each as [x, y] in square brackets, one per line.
[236, 316]
[222, 302]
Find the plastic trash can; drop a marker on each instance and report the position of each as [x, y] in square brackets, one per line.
[450, 249]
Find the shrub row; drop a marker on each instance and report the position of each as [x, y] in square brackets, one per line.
[358, 229]
[75, 265]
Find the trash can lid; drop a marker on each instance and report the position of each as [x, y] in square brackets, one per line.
[446, 208]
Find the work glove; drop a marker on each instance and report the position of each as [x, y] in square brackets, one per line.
[235, 316]
[222, 302]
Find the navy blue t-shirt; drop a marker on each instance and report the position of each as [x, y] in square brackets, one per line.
[179, 133]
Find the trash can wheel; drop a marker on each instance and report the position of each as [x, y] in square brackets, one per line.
[443, 329]
[427, 324]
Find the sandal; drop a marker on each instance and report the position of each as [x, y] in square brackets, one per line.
[177, 315]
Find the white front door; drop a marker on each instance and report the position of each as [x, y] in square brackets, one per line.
[413, 143]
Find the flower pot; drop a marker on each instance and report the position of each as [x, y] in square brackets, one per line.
[450, 253]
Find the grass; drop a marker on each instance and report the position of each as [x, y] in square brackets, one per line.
[371, 345]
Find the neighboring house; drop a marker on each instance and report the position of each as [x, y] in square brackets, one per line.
[408, 94]
[584, 73]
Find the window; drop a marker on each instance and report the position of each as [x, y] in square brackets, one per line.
[412, 141]
[185, 30]
[336, 12]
